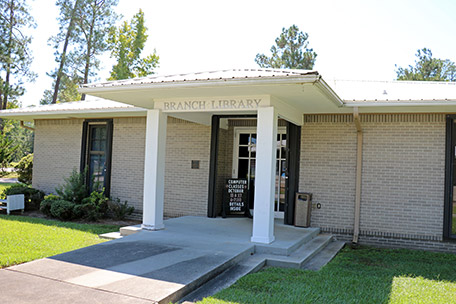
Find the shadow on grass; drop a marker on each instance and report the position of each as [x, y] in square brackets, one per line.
[92, 227]
[363, 275]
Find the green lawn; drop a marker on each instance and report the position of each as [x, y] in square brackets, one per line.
[24, 239]
[3, 186]
[363, 275]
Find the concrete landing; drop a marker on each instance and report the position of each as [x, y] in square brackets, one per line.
[153, 266]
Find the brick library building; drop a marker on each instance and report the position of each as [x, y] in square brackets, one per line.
[375, 160]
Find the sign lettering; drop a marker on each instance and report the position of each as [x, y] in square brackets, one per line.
[212, 104]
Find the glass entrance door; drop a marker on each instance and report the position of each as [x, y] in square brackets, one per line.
[244, 159]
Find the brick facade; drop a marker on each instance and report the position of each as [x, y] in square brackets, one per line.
[127, 169]
[56, 140]
[186, 189]
[402, 181]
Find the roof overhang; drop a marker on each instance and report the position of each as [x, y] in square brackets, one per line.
[68, 114]
[298, 94]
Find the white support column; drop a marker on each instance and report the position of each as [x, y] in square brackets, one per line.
[265, 172]
[154, 170]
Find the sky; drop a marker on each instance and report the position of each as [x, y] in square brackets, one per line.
[356, 40]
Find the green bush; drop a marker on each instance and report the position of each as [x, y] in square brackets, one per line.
[118, 210]
[93, 207]
[63, 210]
[25, 169]
[74, 189]
[32, 196]
[45, 206]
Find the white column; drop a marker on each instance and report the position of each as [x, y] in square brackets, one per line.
[154, 170]
[265, 172]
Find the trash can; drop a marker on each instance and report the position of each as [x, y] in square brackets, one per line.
[303, 206]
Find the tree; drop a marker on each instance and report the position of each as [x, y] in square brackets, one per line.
[84, 27]
[15, 56]
[126, 44]
[290, 52]
[69, 12]
[68, 90]
[97, 21]
[428, 68]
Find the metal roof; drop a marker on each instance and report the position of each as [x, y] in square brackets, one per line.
[360, 93]
[372, 92]
[205, 76]
[93, 107]
[86, 105]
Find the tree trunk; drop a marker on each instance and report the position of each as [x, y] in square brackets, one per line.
[89, 49]
[65, 46]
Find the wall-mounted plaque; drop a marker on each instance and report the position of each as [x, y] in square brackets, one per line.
[235, 198]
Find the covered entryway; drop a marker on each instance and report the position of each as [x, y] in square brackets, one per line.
[207, 98]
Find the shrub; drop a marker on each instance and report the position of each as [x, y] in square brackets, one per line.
[45, 206]
[32, 196]
[74, 189]
[120, 210]
[93, 207]
[25, 169]
[62, 209]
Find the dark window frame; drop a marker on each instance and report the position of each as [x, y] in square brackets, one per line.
[85, 150]
[449, 177]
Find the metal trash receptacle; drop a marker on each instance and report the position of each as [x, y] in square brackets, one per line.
[303, 206]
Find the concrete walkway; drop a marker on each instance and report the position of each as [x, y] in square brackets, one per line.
[8, 180]
[146, 267]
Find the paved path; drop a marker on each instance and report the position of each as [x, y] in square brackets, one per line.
[146, 267]
[8, 180]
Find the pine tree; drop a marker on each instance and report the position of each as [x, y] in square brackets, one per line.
[15, 55]
[290, 52]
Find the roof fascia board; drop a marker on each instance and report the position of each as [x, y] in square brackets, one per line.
[66, 113]
[326, 90]
[258, 81]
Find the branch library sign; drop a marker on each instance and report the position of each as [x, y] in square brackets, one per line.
[212, 104]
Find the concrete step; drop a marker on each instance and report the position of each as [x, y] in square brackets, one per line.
[226, 279]
[324, 257]
[302, 254]
[128, 230]
[111, 235]
[206, 277]
[279, 249]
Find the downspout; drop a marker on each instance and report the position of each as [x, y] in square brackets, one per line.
[359, 164]
[26, 127]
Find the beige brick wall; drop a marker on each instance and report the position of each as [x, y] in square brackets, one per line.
[57, 150]
[186, 189]
[327, 170]
[403, 173]
[127, 169]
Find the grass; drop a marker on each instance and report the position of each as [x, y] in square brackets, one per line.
[3, 186]
[24, 239]
[363, 275]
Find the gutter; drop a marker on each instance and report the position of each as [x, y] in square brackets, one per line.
[359, 164]
[26, 127]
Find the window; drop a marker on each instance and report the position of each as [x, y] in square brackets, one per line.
[96, 154]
